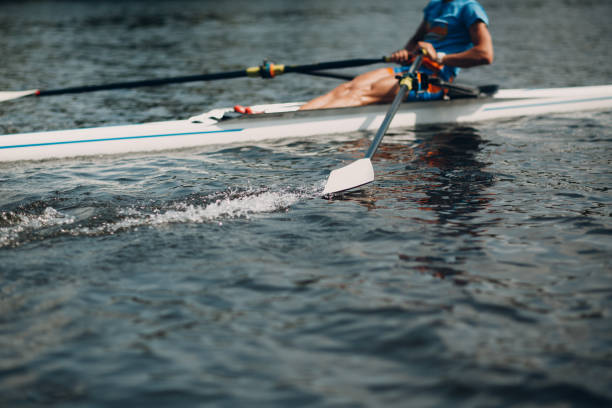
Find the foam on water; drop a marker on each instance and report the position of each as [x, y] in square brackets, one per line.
[13, 225]
[244, 206]
[17, 228]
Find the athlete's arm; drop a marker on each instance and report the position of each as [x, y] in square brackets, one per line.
[480, 54]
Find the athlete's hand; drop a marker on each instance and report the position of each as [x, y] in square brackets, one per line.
[405, 57]
[401, 57]
[429, 49]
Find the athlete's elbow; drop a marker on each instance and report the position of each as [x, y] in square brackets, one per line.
[486, 58]
[482, 55]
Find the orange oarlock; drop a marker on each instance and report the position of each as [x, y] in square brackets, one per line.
[271, 72]
[431, 64]
[428, 63]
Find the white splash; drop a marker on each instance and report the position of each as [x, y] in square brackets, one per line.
[241, 207]
[244, 206]
[23, 223]
[17, 228]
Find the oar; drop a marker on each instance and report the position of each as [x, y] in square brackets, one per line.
[361, 172]
[266, 70]
[329, 75]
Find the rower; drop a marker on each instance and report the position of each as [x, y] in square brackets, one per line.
[454, 35]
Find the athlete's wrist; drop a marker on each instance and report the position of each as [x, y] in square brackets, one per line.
[440, 57]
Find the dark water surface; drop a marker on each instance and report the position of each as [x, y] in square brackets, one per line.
[474, 272]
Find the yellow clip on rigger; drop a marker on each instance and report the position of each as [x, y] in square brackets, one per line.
[253, 72]
[407, 81]
[278, 69]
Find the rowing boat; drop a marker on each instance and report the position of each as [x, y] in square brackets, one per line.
[281, 121]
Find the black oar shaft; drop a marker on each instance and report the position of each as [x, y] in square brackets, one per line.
[328, 75]
[147, 82]
[250, 72]
[334, 64]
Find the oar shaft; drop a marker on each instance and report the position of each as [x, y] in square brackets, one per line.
[328, 75]
[146, 82]
[335, 64]
[263, 71]
[401, 94]
[399, 98]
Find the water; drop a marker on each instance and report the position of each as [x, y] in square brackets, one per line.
[475, 271]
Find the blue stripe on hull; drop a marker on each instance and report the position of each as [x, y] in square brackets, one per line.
[118, 138]
[534, 105]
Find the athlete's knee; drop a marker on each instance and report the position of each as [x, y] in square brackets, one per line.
[346, 88]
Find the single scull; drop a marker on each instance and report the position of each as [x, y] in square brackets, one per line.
[280, 121]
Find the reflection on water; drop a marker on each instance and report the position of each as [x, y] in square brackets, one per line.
[455, 187]
[443, 177]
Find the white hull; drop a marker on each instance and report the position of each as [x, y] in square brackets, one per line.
[283, 121]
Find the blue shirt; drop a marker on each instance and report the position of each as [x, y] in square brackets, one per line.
[448, 27]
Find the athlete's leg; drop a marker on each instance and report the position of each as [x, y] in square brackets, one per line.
[376, 86]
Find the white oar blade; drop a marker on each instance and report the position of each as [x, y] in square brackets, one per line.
[8, 95]
[356, 174]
